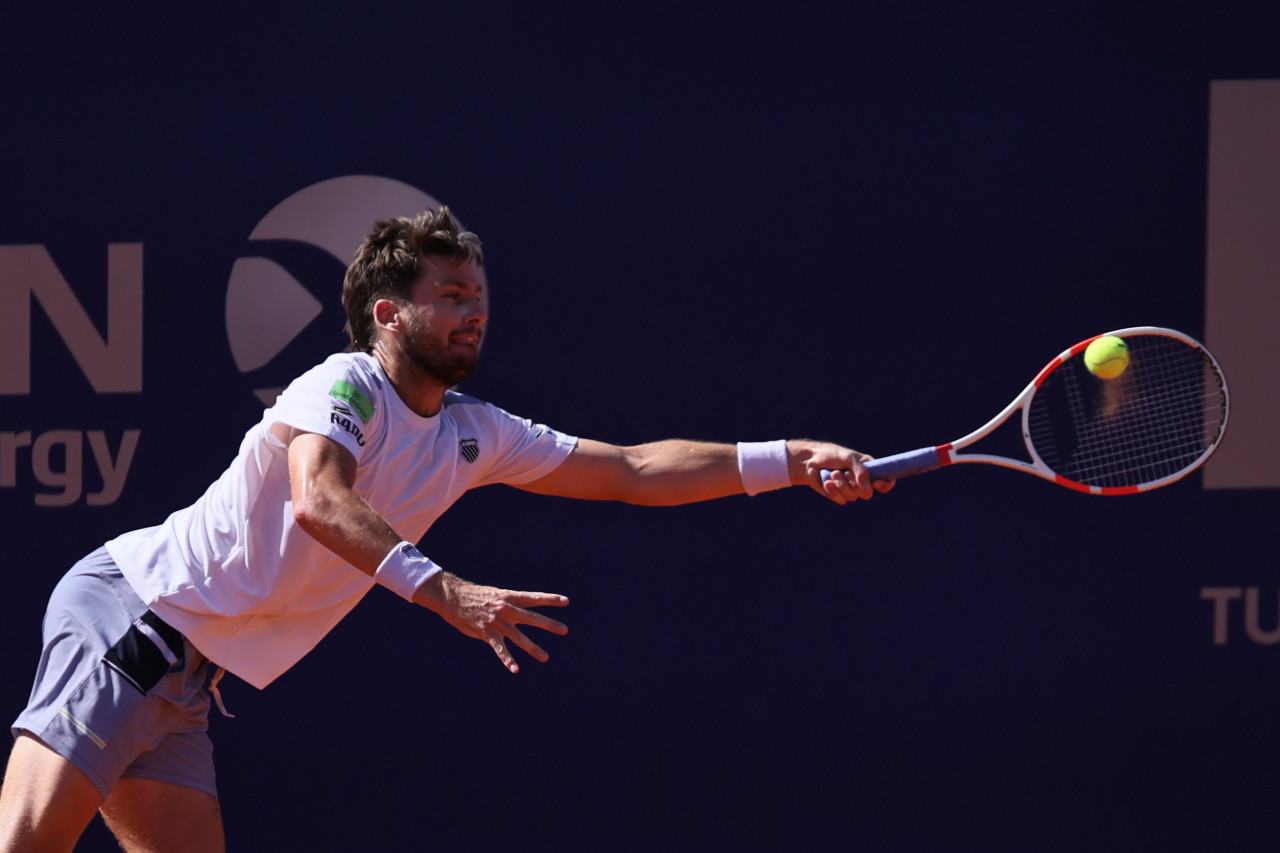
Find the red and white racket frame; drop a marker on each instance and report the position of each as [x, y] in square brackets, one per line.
[930, 458]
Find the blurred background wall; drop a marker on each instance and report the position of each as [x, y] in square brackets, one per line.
[870, 223]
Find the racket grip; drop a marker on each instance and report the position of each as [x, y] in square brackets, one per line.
[901, 464]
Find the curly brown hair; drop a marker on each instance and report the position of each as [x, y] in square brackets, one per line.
[387, 262]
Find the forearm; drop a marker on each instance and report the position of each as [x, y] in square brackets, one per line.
[677, 471]
[346, 525]
[666, 473]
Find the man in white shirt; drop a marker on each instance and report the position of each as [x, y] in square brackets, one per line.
[352, 465]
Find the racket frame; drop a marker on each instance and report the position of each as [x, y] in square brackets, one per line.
[930, 458]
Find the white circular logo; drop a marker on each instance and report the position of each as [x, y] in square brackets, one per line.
[268, 307]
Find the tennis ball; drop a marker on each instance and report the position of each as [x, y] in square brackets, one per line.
[1107, 357]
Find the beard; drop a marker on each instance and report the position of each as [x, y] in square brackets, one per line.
[437, 360]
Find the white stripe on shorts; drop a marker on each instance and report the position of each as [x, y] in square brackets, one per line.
[101, 744]
[150, 633]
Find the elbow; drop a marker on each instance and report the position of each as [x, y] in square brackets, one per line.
[312, 513]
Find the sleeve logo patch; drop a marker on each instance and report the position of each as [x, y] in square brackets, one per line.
[470, 449]
[341, 416]
[353, 397]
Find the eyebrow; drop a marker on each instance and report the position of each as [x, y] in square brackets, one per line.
[457, 282]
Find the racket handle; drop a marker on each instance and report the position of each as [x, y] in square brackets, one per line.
[901, 464]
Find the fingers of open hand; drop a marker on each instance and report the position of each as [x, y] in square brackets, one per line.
[516, 636]
[537, 599]
[504, 653]
[505, 626]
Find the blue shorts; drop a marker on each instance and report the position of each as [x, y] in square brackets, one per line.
[118, 692]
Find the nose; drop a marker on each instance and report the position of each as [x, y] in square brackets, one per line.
[477, 312]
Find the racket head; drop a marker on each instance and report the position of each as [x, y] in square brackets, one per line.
[1152, 425]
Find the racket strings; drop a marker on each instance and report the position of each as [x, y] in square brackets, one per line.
[1137, 437]
[1158, 418]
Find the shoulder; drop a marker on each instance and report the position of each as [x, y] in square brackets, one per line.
[358, 381]
[463, 407]
[456, 402]
[516, 433]
[352, 366]
[342, 396]
[351, 377]
[356, 367]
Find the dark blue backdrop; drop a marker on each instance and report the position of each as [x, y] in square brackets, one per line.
[864, 222]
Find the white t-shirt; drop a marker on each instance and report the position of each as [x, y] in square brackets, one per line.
[252, 590]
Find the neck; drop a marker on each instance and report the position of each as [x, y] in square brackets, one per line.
[423, 394]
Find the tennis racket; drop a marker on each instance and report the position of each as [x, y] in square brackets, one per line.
[1152, 425]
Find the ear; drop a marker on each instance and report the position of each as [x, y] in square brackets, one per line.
[387, 315]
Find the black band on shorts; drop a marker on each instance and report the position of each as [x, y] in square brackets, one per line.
[138, 658]
[167, 632]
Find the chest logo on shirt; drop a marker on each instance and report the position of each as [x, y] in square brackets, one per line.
[470, 449]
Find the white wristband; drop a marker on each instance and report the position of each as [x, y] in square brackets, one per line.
[763, 465]
[404, 569]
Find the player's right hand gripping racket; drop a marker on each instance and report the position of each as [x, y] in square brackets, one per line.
[1156, 422]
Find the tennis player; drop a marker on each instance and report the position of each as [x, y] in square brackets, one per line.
[325, 498]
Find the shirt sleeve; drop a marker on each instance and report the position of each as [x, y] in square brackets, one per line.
[336, 399]
[524, 450]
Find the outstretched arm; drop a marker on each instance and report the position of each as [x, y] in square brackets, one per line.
[665, 473]
[321, 475]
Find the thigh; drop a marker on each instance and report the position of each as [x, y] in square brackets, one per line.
[46, 802]
[148, 816]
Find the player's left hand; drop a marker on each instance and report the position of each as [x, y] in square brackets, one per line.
[849, 480]
[491, 614]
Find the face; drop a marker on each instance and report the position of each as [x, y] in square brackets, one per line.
[444, 324]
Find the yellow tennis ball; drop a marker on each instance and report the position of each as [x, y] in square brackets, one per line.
[1107, 357]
